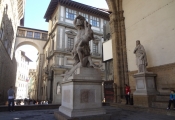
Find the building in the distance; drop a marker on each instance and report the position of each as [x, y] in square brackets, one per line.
[57, 50]
[22, 74]
[11, 16]
[32, 88]
[37, 38]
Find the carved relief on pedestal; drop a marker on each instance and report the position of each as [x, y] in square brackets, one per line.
[87, 96]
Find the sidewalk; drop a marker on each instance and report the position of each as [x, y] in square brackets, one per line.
[4, 108]
[28, 115]
[116, 114]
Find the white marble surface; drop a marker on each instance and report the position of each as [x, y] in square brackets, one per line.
[80, 96]
[145, 84]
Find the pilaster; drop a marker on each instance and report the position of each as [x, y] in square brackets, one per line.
[117, 27]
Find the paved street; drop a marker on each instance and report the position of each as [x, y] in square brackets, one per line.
[117, 114]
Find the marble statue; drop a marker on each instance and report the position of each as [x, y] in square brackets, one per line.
[141, 59]
[81, 51]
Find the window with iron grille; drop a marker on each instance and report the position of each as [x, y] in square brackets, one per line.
[29, 34]
[37, 35]
[21, 33]
[94, 21]
[70, 43]
[70, 14]
[95, 48]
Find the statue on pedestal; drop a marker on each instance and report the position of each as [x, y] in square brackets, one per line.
[81, 51]
[141, 59]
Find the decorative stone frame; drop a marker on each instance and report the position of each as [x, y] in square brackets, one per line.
[70, 34]
[96, 41]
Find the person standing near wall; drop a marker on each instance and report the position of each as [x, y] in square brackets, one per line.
[11, 96]
[127, 94]
[172, 100]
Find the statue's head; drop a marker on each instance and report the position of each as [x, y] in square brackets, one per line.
[172, 91]
[138, 42]
[80, 21]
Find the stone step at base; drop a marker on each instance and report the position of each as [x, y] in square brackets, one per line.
[60, 116]
[162, 98]
[160, 104]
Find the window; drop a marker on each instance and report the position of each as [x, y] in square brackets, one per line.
[37, 35]
[94, 21]
[44, 36]
[70, 43]
[70, 14]
[9, 50]
[5, 43]
[1, 30]
[21, 33]
[95, 48]
[84, 15]
[29, 34]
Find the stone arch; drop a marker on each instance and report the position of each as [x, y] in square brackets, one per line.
[19, 44]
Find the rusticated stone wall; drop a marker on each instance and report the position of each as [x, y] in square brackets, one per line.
[7, 73]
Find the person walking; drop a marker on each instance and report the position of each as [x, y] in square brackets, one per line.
[11, 96]
[172, 100]
[127, 94]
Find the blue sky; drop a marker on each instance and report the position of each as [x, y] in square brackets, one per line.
[35, 11]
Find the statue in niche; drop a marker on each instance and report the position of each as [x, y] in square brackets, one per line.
[141, 59]
[81, 51]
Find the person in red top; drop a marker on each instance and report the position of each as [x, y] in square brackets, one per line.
[127, 94]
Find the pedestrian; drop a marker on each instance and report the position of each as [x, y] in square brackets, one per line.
[127, 94]
[171, 100]
[11, 96]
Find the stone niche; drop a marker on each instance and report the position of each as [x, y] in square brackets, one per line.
[82, 95]
[145, 89]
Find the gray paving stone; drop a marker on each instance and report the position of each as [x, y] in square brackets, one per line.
[117, 114]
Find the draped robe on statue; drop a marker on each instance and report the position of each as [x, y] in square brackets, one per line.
[141, 59]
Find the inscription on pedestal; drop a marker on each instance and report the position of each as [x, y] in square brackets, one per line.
[66, 96]
[87, 96]
[140, 84]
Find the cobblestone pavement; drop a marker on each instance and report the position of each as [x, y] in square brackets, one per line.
[117, 114]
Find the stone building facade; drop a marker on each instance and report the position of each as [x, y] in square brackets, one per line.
[22, 75]
[57, 51]
[32, 84]
[151, 22]
[11, 16]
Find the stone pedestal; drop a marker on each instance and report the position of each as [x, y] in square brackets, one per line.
[145, 89]
[81, 94]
